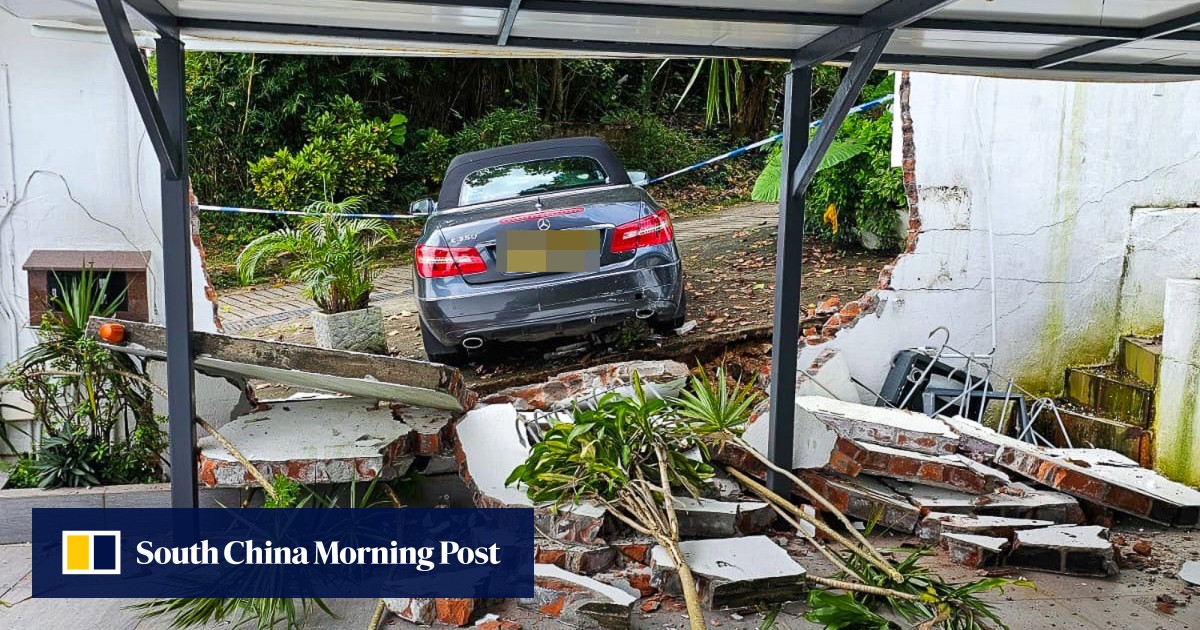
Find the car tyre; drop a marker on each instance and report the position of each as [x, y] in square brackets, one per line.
[666, 325]
[438, 352]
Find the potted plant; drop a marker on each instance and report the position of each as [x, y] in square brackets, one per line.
[337, 258]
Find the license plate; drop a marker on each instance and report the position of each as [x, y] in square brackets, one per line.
[548, 251]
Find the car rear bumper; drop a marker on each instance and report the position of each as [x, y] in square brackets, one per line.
[556, 308]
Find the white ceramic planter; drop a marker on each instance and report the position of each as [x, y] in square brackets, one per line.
[359, 331]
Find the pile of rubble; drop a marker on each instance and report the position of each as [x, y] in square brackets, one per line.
[987, 499]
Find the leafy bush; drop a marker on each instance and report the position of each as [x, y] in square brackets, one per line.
[346, 155]
[644, 142]
[500, 127]
[335, 257]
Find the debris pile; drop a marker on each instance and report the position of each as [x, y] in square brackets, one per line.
[986, 499]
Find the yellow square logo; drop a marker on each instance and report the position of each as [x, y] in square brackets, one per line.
[91, 553]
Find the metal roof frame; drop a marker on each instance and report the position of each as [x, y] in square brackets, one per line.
[860, 40]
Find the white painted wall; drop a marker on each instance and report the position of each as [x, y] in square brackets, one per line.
[77, 170]
[1067, 177]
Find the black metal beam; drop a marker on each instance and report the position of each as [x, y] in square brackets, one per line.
[177, 281]
[506, 26]
[890, 15]
[685, 12]
[116, 22]
[843, 99]
[789, 246]
[1154, 31]
[158, 15]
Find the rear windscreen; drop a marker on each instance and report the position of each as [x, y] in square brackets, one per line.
[530, 178]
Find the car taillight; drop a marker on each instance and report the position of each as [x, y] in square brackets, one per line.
[442, 262]
[652, 230]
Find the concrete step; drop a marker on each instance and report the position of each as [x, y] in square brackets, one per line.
[1087, 430]
[1140, 357]
[1111, 393]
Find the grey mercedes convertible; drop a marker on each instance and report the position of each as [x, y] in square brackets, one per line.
[541, 240]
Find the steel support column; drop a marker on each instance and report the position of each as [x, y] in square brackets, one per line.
[789, 245]
[177, 280]
[799, 163]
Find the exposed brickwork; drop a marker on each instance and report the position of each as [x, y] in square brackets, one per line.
[569, 385]
[953, 471]
[576, 558]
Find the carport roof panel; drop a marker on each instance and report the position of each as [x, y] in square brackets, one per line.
[1064, 39]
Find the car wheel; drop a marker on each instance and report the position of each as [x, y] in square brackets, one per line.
[666, 325]
[439, 352]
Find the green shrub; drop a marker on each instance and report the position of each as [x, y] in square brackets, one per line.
[499, 127]
[347, 154]
[866, 190]
[644, 142]
[23, 473]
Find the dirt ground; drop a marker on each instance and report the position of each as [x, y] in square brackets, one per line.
[730, 288]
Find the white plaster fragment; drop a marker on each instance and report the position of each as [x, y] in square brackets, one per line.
[733, 559]
[1190, 572]
[1084, 537]
[612, 593]
[990, 543]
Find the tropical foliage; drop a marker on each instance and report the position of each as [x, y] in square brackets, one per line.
[92, 406]
[335, 257]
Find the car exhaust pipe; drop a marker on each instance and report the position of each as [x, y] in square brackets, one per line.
[472, 343]
[643, 313]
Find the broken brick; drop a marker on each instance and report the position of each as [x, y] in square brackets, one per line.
[579, 600]
[456, 612]
[896, 428]
[575, 557]
[974, 551]
[419, 610]
[706, 518]
[948, 471]
[560, 391]
[935, 526]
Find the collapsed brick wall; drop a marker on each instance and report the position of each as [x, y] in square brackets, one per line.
[831, 316]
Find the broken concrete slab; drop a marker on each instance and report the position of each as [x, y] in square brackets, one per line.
[1015, 500]
[489, 445]
[663, 378]
[1107, 479]
[734, 573]
[575, 557]
[352, 373]
[1190, 572]
[974, 551]
[948, 471]
[812, 446]
[706, 518]
[1070, 549]
[897, 428]
[332, 440]
[937, 525]
[579, 600]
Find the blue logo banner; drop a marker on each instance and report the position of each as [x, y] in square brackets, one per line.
[254, 552]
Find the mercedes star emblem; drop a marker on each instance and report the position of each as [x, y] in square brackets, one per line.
[543, 224]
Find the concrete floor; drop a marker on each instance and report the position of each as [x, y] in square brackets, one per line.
[1126, 602]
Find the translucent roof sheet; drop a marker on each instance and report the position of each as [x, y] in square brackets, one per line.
[1068, 39]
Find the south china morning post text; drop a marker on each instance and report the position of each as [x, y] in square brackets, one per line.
[238, 552]
[313, 552]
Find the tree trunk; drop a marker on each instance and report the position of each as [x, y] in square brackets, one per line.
[686, 582]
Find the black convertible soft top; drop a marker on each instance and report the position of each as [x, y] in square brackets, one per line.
[585, 146]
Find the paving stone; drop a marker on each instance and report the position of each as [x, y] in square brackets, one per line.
[974, 551]
[937, 525]
[579, 600]
[897, 428]
[488, 447]
[734, 573]
[331, 440]
[561, 392]
[947, 471]
[706, 518]
[1070, 549]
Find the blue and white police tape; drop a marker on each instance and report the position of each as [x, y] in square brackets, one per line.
[750, 147]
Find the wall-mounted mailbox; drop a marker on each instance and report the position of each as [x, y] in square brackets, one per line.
[50, 271]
